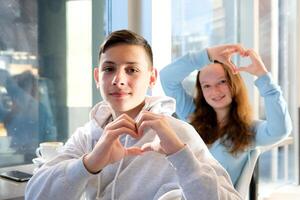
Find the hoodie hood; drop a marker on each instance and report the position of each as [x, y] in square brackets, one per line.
[158, 104]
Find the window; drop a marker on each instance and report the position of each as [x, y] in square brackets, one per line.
[46, 59]
[277, 46]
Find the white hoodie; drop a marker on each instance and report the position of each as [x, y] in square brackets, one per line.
[192, 173]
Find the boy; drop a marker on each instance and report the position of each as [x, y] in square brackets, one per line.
[132, 148]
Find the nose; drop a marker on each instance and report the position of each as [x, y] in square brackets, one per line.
[215, 89]
[119, 79]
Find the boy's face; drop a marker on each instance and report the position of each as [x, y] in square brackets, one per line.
[123, 77]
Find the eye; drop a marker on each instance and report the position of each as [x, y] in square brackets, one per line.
[108, 69]
[222, 82]
[132, 70]
[205, 86]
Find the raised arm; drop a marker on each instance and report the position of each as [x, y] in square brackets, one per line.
[171, 78]
[278, 122]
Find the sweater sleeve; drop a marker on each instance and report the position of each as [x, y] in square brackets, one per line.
[171, 78]
[278, 123]
[201, 176]
[56, 178]
[198, 172]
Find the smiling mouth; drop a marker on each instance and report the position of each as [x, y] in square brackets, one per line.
[218, 98]
[119, 94]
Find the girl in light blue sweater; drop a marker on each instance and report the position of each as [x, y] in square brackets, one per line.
[220, 110]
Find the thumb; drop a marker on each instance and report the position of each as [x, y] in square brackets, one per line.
[134, 151]
[243, 68]
[152, 147]
[147, 147]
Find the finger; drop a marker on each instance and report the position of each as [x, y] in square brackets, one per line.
[158, 125]
[236, 48]
[146, 115]
[252, 54]
[232, 66]
[152, 147]
[134, 151]
[125, 116]
[121, 122]
[254, 57]
[147, 147]
[149, 120]
[114, 134]
[243, 69]
[229, 50]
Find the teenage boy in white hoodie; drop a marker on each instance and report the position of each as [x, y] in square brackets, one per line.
[131, 149]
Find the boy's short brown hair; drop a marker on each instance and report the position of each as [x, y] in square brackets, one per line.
[126, 37]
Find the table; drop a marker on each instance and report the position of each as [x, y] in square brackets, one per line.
[12, 190]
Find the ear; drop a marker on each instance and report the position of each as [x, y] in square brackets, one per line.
[96, 76]
[153, 77]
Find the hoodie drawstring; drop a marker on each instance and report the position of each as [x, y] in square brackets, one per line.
[99, 187]
[118, 172]
[115, 178]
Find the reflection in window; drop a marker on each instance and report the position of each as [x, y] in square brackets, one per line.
[26, 109]
[45, 59]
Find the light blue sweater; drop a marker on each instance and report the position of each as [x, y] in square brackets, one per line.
[276, 126]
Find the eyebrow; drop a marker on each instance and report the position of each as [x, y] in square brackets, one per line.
[221, 77]
[111, 62]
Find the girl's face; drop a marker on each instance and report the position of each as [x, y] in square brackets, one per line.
[215, 88]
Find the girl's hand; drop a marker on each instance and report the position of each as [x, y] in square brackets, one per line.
[257, 66]
[223, 54]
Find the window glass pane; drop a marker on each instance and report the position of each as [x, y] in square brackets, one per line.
[26, 109]
[42, 62]
[200, 24]
[276, 23]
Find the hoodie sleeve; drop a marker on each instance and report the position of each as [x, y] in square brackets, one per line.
[55, 179]
[199, 174]
[171, 78]
[278, 122]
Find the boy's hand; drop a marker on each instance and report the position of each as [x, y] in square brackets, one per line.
[166, 141]
[257, 66]
[223, 54]
[109, 148]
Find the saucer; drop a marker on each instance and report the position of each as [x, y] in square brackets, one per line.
[38, 161]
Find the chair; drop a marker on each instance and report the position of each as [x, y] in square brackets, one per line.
[243, 183]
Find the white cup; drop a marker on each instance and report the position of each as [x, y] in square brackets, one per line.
[5, 143]
[48, 150]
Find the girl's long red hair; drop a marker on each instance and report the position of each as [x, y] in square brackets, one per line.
[236, 133]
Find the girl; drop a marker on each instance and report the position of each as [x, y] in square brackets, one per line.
[220, 111]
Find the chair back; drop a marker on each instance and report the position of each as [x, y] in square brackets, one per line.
[243, 183]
